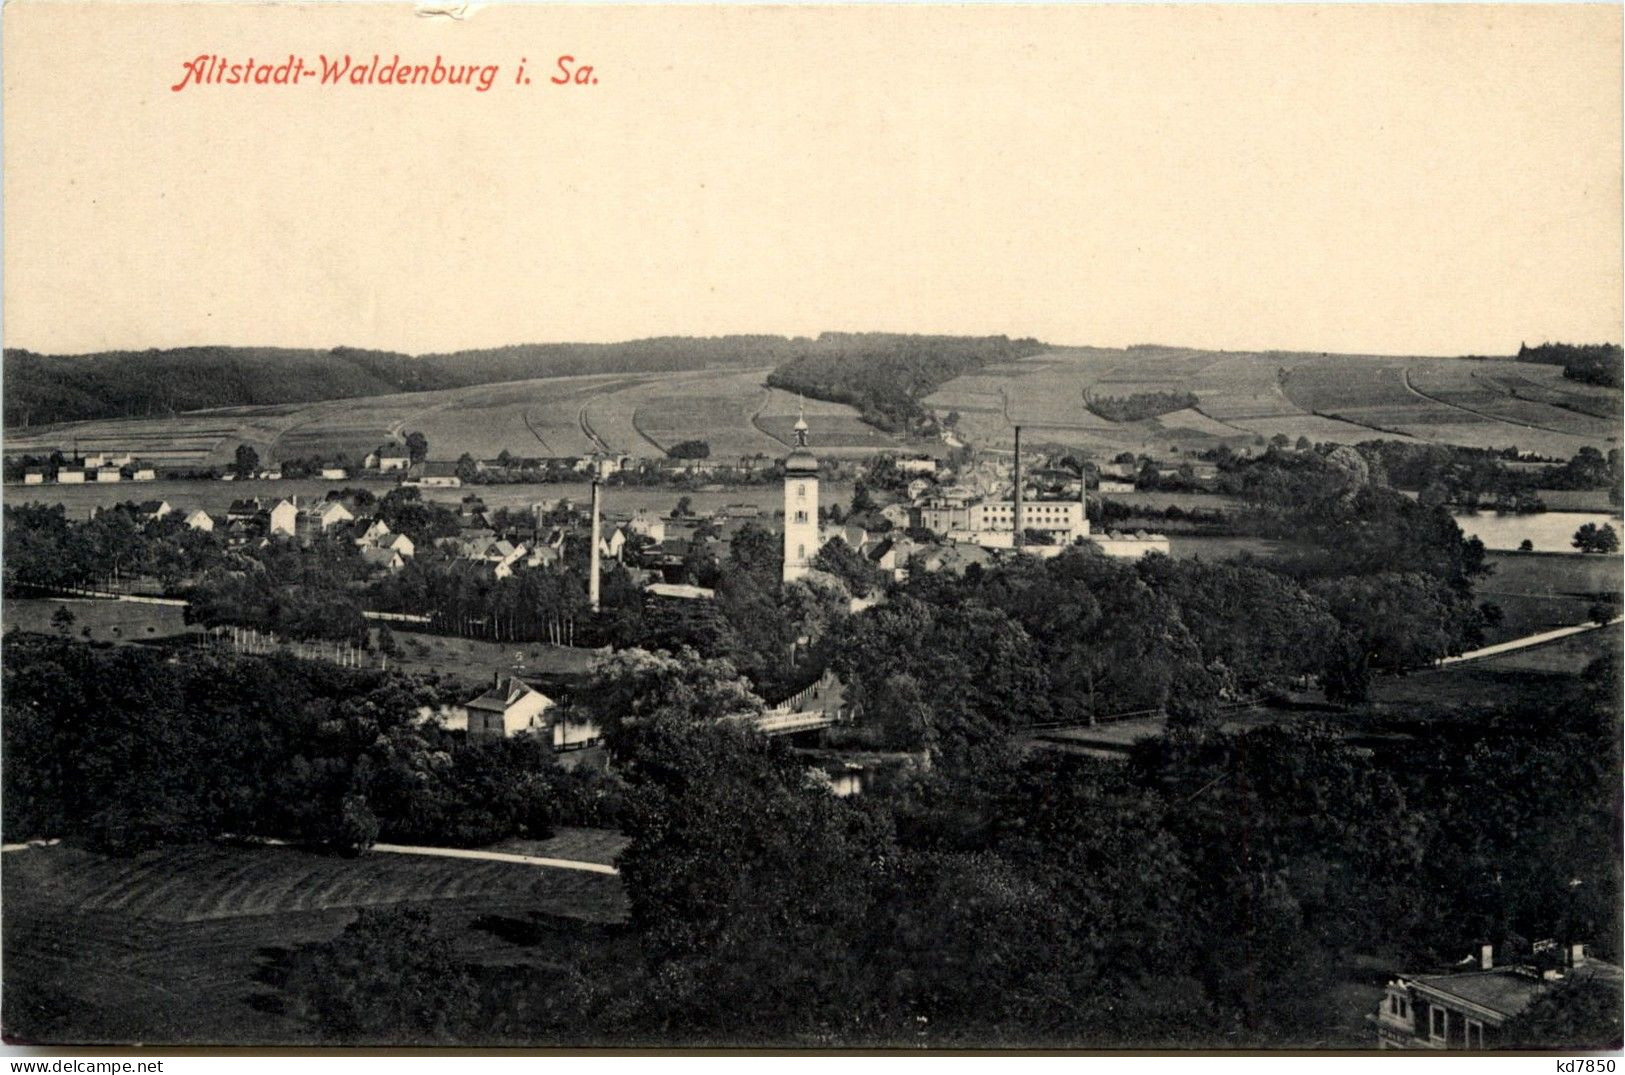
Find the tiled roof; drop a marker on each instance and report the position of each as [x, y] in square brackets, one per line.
[1506, 992]
[502, 695]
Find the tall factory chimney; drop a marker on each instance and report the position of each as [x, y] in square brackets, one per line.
[1019, 536]
[597, 540]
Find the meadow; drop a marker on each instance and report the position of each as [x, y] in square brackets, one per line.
[1537, 592]
[105, 620]
[177, 945]
[1525, 675]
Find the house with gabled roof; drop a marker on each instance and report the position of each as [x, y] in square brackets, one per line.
[509, 707]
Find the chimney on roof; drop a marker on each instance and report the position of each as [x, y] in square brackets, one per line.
[1486, 957]
[1577, 955]
[496, 680]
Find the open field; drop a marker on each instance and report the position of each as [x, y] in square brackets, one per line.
[478, 660]
[1538, 592]
[1242, 395]
[582, 845]
[1504, 679]
[176, 945]
[108, 620]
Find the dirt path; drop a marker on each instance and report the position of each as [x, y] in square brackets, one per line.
[1526, 641]
[407, 849]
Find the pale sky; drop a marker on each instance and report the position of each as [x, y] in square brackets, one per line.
[1434, 180]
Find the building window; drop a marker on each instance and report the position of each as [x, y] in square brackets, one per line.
[801, 490]
[1475, 1035]
[801, 552]
[1436, 1023]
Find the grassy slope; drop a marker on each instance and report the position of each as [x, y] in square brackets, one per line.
[174, 946]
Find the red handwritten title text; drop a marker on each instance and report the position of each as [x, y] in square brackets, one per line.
[210, 69]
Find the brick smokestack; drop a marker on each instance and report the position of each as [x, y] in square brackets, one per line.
[597, 539]
[1019, 537]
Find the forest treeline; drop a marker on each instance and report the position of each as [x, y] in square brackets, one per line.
[41, 388]
[886, 376]
[1592, 363]
[125, 384]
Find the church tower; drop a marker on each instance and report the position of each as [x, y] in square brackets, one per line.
[800, 505]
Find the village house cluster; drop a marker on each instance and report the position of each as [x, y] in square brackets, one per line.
[97, 468]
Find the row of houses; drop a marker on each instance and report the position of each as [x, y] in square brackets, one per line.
[87, 474]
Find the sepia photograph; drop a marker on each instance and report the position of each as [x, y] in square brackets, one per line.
[819, 528]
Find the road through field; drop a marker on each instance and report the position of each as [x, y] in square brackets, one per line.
[1411, 386]
[408, 849]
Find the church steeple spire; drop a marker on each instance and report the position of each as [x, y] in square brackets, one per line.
[800, 503]
[801, 422]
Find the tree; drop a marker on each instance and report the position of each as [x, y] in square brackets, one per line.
[1304, 444]
[417, 447]
[1581, 1014]
[247, 461]
[1526, 545]
[386, 642]
[62, 619]
[1594, 538]
[390, 976]
[467, 469]
[690, 449]
[684, 508]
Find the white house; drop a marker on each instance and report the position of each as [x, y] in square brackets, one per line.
[33, 476]
[70, 477]
[328, 514]
[510, 707]
[285, 518]
[436, 475]
[389, 460]
[398, 543]
[649, 524]
[388, 559]
[200, 520]
[504, 566]
[144, 474]
[108, 475]
[336, 474]
[378, 529]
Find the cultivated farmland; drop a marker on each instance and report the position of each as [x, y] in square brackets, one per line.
[1244, 395]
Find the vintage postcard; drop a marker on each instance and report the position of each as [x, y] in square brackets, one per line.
[812, 527]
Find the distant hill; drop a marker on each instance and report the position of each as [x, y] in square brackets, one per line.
[42, 389]
[883, 374]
